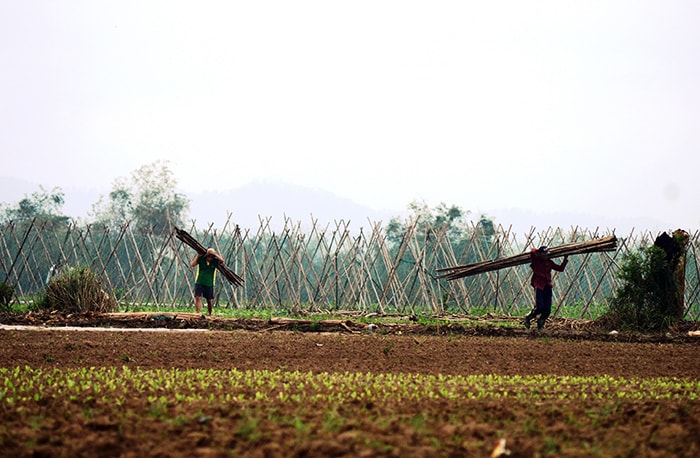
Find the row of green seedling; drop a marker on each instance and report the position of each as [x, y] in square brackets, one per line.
[115, 385]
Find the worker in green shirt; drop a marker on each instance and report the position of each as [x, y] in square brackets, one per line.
[205, 278]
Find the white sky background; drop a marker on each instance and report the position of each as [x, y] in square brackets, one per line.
[590, 107]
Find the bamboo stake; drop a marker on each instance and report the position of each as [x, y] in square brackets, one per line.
[19, 250]
[262, 294]
[397, 261]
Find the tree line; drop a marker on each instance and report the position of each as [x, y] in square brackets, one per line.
[148, 200]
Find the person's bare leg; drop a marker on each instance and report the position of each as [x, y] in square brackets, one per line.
[198, 304]
[209, 306]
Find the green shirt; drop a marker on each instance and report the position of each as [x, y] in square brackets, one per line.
[206, 271]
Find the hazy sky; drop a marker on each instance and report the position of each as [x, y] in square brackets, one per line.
[581, 106]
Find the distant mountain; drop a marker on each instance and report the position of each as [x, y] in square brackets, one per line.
[522, 221]
[249, 203]
[246, 205]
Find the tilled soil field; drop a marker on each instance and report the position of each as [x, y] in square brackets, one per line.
[440, 425]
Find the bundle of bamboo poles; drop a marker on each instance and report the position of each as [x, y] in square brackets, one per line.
[201, 250]
[591, 246]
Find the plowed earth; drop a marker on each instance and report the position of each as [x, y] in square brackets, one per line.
[426, 427]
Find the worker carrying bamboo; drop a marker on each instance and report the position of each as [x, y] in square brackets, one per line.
[542, 266]
[205, 278]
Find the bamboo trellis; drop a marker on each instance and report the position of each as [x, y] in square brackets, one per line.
[317, 268]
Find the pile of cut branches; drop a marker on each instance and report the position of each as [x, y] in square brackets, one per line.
[187, 239]
[591, 246]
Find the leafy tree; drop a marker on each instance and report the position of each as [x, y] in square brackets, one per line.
[42, 204]
[426, 219]
[37, 216]
[147, 199]
[435, 229]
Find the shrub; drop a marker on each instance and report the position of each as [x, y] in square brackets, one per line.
[645, 300]
[77, 290]
[7, 293]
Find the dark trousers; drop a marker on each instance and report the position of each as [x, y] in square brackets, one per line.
[543, 304]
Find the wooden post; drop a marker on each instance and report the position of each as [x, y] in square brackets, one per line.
[675, 248]
[682, 238]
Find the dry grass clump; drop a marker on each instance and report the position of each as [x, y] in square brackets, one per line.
[77, 290]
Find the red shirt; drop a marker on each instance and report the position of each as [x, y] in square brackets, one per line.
[542, 268]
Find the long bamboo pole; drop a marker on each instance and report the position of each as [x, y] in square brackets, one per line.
[591, 246]
[186, 238]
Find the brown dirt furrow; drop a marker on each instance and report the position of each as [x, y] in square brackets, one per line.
[338, 352]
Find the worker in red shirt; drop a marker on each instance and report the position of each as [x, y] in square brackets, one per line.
[542, 267]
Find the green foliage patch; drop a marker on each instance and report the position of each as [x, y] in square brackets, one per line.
[646, 297]
[7, 294]
[248, 387]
